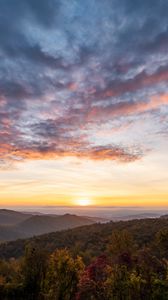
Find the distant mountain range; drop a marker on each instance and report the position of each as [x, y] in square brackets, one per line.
[11, 217]
[136, 216]
[18, 225]
[15, 225]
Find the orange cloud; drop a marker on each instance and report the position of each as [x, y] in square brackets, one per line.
[127, 108]
[109, 152]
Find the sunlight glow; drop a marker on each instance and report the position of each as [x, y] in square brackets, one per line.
[84, 202]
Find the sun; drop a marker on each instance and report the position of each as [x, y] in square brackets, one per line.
[84, 202]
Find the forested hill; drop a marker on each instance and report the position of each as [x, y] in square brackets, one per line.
[88, 241]
[18, 225]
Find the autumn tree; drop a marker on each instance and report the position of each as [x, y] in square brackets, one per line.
[63, 276]
[92, 282]
[121, 246]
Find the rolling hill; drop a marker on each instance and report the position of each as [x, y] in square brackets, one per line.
[14, 225]
[11, 217]
[89, 239]
[37, 225]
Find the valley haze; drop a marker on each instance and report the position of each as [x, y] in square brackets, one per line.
[108, 212]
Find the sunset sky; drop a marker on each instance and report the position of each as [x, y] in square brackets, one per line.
[84, 102]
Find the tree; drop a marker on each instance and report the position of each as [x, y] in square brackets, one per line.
[92, 282]
[33, 270]
[121, 246]
[63, 276]
[161, 242]
[118, 283]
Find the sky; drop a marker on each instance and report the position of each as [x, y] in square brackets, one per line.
[84, 102]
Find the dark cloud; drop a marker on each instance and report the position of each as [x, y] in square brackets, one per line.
[15, 90]
[44, 11]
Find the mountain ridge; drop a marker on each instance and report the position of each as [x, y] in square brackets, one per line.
[22, 225]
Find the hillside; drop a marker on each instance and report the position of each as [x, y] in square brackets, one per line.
[22, 225]
[11, 217]
[92, 238]
[37, 225]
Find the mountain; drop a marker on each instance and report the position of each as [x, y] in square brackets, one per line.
[89, 239]
[18, 225]
[8, 233]
[14, 225]
[136, 216]
[11, 217]
[37, 225]
[164, 216]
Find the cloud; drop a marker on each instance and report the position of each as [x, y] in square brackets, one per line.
[112, 153]
[128, 108]
[73, 149]
[69, 66]
[140, 81]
